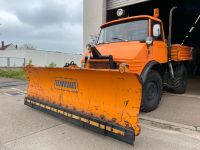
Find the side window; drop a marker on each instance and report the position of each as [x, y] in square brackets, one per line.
[157, 31]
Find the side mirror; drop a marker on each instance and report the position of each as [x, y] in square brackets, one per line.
[149, 41]
[156, 30]
[93, 40]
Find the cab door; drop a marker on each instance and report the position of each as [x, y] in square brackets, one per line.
[159, 48]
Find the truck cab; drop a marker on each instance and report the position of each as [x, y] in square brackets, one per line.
[135, 41]
[137, 45]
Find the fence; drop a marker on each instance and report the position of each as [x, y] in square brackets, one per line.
[12, 62]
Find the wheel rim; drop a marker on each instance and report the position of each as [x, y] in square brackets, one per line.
[152, 91]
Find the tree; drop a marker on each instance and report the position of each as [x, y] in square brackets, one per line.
[28, 46]
[52, 65]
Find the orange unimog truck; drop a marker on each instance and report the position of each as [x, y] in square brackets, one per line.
[137, 44]
[130, 62]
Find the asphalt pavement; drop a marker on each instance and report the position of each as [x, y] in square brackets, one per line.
[180, 108]
[22, 128]
[8, 82]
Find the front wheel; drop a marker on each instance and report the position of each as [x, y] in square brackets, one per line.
[151, 92]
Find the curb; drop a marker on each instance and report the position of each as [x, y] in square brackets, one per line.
[183, 95]
[166, 124]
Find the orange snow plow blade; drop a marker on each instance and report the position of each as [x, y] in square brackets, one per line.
[105, 101]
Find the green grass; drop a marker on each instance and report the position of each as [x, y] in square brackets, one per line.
[15, 74]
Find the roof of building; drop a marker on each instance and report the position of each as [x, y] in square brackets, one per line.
[6, 46]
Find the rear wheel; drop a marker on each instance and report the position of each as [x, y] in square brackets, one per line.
[152, 92]
[180, 81]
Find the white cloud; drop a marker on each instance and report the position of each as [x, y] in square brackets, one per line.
[49, 25]
[8, 18]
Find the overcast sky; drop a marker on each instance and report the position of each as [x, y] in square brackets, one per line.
[55, 25]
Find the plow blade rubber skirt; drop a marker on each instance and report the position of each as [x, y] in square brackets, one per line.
[105, 101]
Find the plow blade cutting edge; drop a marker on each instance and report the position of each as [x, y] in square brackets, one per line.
[104, 101]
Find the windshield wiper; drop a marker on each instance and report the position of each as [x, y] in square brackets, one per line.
[117, 38]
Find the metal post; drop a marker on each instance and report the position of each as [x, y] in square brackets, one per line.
[8, 62]
[24, 62]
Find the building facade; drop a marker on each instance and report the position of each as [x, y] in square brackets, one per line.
[94, 15]
[97, 12]
[21, 57]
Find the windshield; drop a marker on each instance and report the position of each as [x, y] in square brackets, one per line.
[128, 31]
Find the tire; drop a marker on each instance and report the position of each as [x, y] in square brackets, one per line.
[151, 92]
[180, 81]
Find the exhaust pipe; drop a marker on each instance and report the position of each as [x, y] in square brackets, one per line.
[170, 41]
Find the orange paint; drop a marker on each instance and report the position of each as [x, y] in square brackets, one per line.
[135, 53]
[99, 93]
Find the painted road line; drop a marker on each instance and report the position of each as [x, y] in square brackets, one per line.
[19, 90]
[11, 93]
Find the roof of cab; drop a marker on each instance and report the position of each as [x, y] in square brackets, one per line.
[129, 19]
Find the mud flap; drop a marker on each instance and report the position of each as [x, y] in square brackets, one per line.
[104, 101]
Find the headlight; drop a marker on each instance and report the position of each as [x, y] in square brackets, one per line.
[120, 12]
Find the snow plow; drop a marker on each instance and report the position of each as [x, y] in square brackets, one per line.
[105, 101]
[125, 71]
